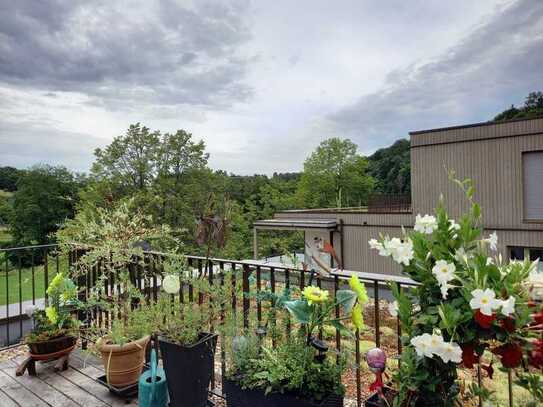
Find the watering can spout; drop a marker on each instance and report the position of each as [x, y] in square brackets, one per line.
[152, 389]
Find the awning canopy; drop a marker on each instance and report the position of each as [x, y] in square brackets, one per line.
[296, 224]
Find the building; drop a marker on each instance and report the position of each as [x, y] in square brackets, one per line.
[505, 161]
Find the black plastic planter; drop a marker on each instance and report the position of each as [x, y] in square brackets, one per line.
[188, 370]
[375, 400]
[237, 397]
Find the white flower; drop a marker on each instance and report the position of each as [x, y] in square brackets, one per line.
[493, 241]
[484, 300]
[450, 352]
[444, 271]
[393, 308]
[376, 245]
[403, 254]
[436, 342]
[425, 224]
[461, 255]
[489, 261]
[422, 344]
[444, 290]
[453, 225]
[508, 306]
[171, 284]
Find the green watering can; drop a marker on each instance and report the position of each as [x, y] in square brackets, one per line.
[152, 389]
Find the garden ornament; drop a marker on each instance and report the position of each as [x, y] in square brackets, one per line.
[376, 360]
[153, 390]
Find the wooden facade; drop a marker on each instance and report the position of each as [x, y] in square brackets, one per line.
[488, 153]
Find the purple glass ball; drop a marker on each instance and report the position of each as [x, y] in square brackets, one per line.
[376, 359]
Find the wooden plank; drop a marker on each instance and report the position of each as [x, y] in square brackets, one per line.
[90, 385]
[44, 391]
[70, 389]
[17, 392]
[5, 401]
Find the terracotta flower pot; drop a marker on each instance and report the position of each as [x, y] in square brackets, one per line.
[123, 363]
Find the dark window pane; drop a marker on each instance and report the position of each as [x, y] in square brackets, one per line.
[536, 254]
[517, 253]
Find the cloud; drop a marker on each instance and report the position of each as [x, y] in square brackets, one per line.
[131, 52]
[498, 63]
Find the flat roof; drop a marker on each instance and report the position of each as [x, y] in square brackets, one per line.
[467, 126]
[329, 224]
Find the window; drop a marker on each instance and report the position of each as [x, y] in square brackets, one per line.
[532, 165]
[521, 253]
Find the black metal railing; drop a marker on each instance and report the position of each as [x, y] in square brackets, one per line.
[252, 276]
[384, 203]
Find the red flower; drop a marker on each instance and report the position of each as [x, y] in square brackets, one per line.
[469, 357]
[489, 370]
[511, 354]
[536, 355]
[484, 321]
[508, 324]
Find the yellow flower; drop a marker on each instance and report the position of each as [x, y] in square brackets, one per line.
[314, 294]
[359, 289]
[52, 315]
[357, 317]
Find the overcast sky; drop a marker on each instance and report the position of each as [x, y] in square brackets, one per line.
[262, 82]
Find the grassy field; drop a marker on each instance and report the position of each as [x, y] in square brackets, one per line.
[26, 281]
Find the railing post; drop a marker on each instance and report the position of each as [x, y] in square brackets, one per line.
[245, 296]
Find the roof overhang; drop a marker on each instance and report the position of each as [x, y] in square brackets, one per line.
[296, 224]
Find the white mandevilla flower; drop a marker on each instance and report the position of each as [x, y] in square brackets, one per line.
[484, 300]
[393, 308]
[171, 284]
[453, 225]
[445, 287]
[376, 245]
[436, 342]
[489, 261]
[444, 271]
[450, 352]
[422, 344]
[493, 241]
[404, 253]
[425, 224]
[508, 306]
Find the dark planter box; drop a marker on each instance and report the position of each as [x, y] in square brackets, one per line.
[376, 401]
[188, 370]
[52, 346]
[237, 397]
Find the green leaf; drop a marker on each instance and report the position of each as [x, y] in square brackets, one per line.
[300, 310]
[341, 328]
[346, 299]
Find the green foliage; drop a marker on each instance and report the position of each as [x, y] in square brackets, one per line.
[334, 176]
[533, 107]
[57, 319]
[391, 168]
[45, 199]
[9, 177]
[288, 368]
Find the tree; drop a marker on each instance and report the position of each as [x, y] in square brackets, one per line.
[45, 199]
[391, 168]
[9, 177]
[334, 175]
[533, 107]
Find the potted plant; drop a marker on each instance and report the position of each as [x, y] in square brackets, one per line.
[112, 240]
[185, 336]
[295, 371]
[55, 329]
[468, 302]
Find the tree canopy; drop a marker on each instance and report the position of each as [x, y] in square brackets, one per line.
[391, 168]
[533, 107]
[334, 175]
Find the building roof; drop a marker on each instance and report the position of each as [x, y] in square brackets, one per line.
[295, 224]
[477, 131]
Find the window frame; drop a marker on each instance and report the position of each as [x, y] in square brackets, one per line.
[522, 187]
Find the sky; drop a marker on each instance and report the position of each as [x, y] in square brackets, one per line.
[261, 82]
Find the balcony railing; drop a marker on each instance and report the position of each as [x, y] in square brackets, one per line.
[25, 282]
[385, 203]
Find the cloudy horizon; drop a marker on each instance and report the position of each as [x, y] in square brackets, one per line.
[262, 83]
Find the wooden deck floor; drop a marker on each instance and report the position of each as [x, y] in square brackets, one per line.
[75, 387]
